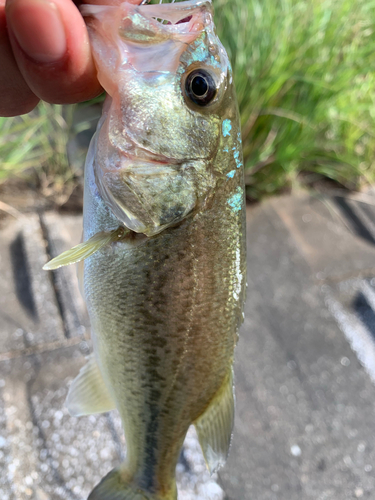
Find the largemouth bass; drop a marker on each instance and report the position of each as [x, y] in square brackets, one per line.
[165, 298]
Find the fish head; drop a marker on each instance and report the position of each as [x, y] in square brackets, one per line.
[170, 90]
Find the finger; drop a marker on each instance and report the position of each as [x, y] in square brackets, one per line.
[51, 46]
[15, 96]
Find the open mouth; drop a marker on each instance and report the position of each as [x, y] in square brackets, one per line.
[165, 21]
[182, 21]
[173, 13]
[176, 17]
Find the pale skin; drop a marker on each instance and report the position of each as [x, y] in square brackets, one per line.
[45, 54]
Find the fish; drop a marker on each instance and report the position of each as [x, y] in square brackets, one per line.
[163, 259]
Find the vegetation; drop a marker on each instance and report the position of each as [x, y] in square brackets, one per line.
[36, 146]
[305, 78]
[34, 139]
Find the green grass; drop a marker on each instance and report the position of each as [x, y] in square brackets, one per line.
[35, 145]
[37, 140]
[305, 78]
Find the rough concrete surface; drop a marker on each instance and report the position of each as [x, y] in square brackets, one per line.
[305, 425]
[305, 420]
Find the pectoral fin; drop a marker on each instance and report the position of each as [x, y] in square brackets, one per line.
[88, 393]
[214, 427]
[83, 250]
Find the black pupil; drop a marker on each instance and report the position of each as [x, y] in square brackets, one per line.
[199, 86]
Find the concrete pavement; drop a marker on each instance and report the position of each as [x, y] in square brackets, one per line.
[305, 422]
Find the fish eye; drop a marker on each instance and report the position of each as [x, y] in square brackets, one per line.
[200, 87]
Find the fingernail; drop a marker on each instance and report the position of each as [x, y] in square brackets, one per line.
[38, 28]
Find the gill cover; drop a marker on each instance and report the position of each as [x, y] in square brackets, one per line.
[161, 128]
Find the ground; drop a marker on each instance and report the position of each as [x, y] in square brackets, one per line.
[304, 372]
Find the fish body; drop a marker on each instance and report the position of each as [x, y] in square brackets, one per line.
[166, 302]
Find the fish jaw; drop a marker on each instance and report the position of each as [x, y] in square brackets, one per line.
[145, 43]
[150, 131]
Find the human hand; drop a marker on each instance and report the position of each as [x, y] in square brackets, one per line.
[44, 54]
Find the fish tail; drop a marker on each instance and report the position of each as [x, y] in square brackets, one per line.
[114, 487]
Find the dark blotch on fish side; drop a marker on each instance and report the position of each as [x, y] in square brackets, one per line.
[151, 447]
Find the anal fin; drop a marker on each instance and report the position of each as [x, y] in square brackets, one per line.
[88, 393]
[214, 427]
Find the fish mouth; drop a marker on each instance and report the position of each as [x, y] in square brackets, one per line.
[173, 14]
[177, 18]
[166, 29]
